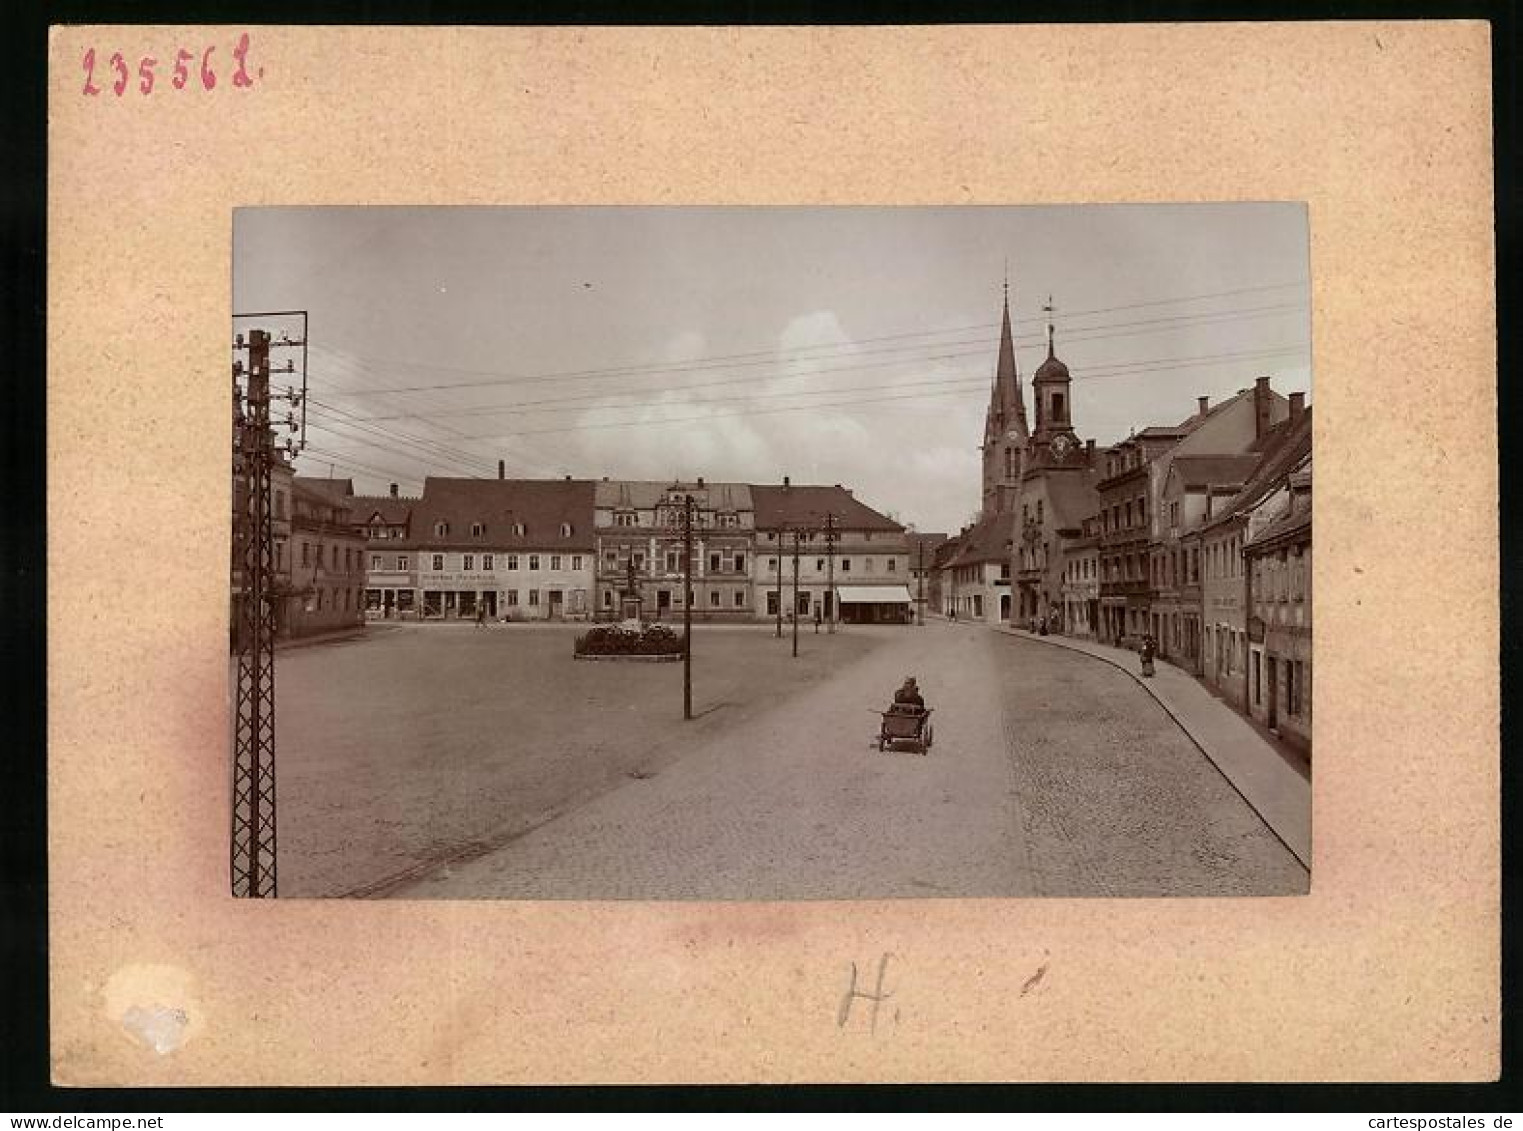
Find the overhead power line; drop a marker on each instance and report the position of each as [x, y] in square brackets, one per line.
[579, 402]
[1038, 321]
[866, 402]
[972, 348]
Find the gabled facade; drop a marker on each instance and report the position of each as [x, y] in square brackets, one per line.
[975, 579]
[639, 549]
[1224, 618]
[1237, 426]
[385, 521]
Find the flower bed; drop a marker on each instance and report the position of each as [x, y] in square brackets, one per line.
[629, 640]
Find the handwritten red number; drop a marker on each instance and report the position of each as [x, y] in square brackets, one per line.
[145, 73]
[208, 80]
[119, 65]
[241, 53]
[90, 87]
[182, 57]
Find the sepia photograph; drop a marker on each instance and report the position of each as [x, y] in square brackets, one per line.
[771, 553]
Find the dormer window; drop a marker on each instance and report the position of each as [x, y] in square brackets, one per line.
[478, 529]
[518, 529]
[565, 530]
[441, 529]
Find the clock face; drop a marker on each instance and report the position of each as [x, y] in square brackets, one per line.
[1012, 435]
[1062, 445]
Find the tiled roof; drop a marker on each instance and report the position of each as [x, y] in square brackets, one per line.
[1214, 471]
[777, 507]
[540, 506]
[393, 510]
[1073, 498]
[646, 493]
[988, 540]
[1281, 528]
[1282, 450]
[336, 491]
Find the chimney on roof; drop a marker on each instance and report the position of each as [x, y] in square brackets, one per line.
[393, 490]
[502, 469]
[787, 482]
[568, 479]
[1297, 406]
[1262, 401]
[700, 481]
[1205, 404]
[1089, 450]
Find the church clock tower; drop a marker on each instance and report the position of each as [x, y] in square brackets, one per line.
[1054, 445]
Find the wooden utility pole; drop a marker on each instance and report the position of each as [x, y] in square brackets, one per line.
[795, 594]
[777, 568]
[830, 568]
[687, 606]
[920, 576]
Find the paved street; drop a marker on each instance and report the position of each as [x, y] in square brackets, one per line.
[403, 773]
[418, 744]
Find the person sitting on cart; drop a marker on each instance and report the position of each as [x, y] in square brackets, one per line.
[908, 700]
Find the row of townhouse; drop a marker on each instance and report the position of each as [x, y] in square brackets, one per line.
[609, 549]
[317, 563]
[1197, 534]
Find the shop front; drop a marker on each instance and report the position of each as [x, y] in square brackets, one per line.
[875, 604]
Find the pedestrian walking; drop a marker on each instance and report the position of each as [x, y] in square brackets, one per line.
[1149, 650]
[481, 614]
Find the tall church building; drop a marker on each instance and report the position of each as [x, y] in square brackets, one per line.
[1057, 492]
[1005, 433]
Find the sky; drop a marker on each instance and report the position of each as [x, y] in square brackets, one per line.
[832, 345]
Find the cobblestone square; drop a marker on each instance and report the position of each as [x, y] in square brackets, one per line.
[455, 762]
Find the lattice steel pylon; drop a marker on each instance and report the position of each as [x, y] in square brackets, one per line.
[252, 843]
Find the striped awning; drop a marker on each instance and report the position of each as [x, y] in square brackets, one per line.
[873, 595]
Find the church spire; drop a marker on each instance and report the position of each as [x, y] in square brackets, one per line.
[1007, 379]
